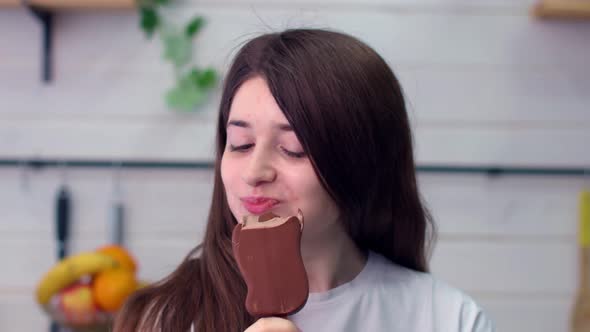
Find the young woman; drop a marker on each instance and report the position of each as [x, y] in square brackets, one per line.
[314, 120]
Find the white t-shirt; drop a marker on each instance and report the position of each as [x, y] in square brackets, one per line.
[388, 297]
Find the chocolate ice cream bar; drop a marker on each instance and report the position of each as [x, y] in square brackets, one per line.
[268, 252]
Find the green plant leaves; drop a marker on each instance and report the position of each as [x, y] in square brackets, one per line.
[191, 90]
[186, 95]
[204, 79]
[149, 20]
[184, 98]
[191, 87]
[177, 47]
[194, 26]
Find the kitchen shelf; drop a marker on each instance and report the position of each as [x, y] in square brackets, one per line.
[562, 9]
[71, 4]
[45, 12]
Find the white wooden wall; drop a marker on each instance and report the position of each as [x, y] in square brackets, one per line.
[485, 83]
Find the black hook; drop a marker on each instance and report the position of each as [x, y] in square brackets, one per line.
[45, 17]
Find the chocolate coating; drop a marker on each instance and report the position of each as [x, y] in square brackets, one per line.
[269, 259]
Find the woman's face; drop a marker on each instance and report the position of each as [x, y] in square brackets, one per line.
[264, 159]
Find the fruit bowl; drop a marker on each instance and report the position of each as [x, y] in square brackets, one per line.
[74, 308]
[84, 291]
[99, 321]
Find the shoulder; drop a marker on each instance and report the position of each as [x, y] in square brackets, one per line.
[450, 308]
[392, 276]
[456, 309]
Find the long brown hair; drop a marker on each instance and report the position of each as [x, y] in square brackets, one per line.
[347, 109]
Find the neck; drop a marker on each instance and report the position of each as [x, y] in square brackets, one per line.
[331, 262]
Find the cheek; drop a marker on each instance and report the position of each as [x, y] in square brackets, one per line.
[307, 193]
[228, 169]
[298, 187]
[227, 178]
[223, 172]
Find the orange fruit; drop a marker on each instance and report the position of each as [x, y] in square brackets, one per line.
[121, 255]
[111, 288]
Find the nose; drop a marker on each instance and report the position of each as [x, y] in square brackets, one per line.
[259, 169]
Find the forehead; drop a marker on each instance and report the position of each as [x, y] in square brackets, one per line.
[254, 103]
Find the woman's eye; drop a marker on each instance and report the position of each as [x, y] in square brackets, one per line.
[240, 148]
[245, 147]
[294, 154]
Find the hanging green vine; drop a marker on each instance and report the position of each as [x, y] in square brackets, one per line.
[192, 83]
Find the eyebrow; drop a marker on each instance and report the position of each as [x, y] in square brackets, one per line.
[244, 124]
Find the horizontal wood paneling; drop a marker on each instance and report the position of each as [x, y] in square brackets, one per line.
[503, 207]
[473, 98]
[481, 206]
[524, 267]
[518, 227]
[115, 41]
[188, 138]
[520, 314]
[485, 84]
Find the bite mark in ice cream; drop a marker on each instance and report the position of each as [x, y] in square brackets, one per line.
[267, 249]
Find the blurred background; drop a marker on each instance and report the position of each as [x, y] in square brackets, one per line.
[499, 101]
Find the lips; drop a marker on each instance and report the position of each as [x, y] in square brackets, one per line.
[259, 205]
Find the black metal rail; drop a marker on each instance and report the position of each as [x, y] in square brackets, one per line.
[40, 163]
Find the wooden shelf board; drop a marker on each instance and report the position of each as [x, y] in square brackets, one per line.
[562, 9]
[73, 4]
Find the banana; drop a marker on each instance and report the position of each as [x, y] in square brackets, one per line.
[70, 270]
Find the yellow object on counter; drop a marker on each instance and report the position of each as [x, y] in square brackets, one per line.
[71, 269]
[584, 215]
